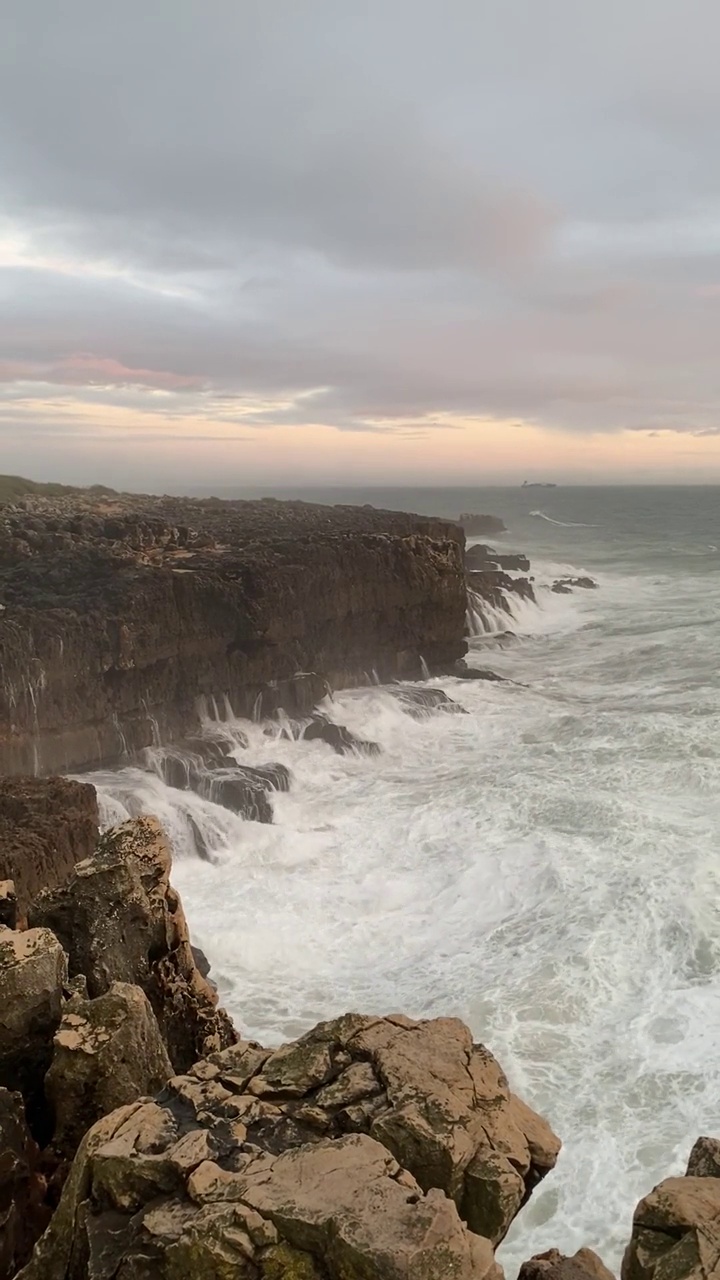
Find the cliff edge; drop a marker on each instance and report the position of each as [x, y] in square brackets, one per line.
[118, 612]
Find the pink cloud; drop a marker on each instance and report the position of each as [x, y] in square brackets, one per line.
[87, 370]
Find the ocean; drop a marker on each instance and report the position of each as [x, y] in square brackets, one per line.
[546, 867]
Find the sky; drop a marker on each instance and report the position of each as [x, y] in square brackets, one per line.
[276, 242]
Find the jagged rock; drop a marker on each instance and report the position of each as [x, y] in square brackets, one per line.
[242, 788]
[564, 586]
[420, 703]
[704, 1159]
[107, 1052]
[119, 920]
[440, 1104]
[480, 556]
[33, 970]
[23, 1212]
[553, 1265]
[8, 905]
[46, 826]
[338, 737]
[494, 586]
[145, 1198]
[676, 1232]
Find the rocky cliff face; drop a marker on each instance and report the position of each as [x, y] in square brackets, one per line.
[117, 614]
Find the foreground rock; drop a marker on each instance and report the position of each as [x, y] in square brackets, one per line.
[119, 920]
[107, 1052]
[154, 1197]
[676, 1232]
[372, 1147]
[553, 1265]
[46, 826]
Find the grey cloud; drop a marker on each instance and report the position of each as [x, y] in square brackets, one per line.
[410, 209]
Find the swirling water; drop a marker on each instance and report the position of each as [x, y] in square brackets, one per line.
[545, 867]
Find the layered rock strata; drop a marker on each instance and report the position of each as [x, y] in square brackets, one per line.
[119, 612]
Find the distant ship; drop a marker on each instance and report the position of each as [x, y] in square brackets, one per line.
[535, 484]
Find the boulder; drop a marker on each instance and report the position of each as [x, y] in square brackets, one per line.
[704, 1160]
[157, 1194]
[23, 1212]
[462, 672]
[119, 920]
[676, 1232]
[46, 826]
[440, 1105]
[338, 737]
[480, 556]
[553, 1265]
[107, 1052]
[33, 971]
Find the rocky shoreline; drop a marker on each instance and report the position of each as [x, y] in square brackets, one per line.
[141, 1138]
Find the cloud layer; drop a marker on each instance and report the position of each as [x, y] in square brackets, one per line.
[375, 237]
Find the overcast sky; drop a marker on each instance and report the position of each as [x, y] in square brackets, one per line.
[277, 241]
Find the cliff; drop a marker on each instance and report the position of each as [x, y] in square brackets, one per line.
[117, 613]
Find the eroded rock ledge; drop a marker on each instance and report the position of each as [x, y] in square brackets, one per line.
[118, 612]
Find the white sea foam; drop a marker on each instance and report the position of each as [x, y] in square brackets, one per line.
[544, 867]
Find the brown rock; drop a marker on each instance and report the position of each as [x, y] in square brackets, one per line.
[704, 1160]
[107, 1052]
[33, 970]
[23, 1212]
[46, 826]
[553, 1265]
[676, 1232]
[8, 905]
[120, 921]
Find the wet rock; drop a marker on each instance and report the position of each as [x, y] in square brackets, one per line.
[24, 1214]
[494, 586]
[676, 1232]
[119, 920]
[338, 737]
[46, 826]
[241, 788]
[553, 1265]
[564, 586]
[421, 703]
[704, 1160]
[33, 971]
[107, 1052]
[462, 672]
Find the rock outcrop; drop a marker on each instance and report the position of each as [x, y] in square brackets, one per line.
[676, 1232]
[119, 920]
[33, 977]
[565, 586]
[107, 1052]
[119, 612]
[480, 556]
[553, 1265]
[371, 1147]
[46, 826]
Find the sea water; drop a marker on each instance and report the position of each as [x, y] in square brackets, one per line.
[546, 867]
